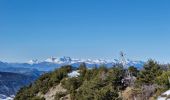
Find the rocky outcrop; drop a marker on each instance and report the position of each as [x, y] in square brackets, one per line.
[50, 95]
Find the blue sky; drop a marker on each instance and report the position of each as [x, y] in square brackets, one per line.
[37, 29]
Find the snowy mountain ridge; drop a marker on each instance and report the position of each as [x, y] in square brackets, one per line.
[69, 60]
[56, 62]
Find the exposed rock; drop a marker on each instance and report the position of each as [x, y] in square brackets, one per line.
[50, 95]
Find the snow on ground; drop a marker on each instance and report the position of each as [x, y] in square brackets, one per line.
[4, 97]
[166, 93]
[74, 74]
[164, 96]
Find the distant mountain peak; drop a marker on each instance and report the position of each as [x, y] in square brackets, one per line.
[51, 59]
[34, 61]
[59, 60]
[56, 62]
[69, 61]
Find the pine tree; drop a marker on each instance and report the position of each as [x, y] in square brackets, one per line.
[133, 70]
[149, 73]
[83, 69]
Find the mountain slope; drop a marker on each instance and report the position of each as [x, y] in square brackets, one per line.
[10, 83]
[90, 84]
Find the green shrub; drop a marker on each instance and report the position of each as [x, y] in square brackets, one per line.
[59, 95]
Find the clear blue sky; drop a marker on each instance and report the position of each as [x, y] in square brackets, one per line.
[37, 29]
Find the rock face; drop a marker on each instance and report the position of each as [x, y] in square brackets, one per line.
[137, 94]
[50, 95]
[10, 83]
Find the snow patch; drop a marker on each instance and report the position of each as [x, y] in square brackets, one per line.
[4, 97]
[35, 61]
[164, 96]
[73, 74]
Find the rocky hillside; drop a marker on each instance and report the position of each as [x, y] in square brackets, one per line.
[99, 83]
[64, 83]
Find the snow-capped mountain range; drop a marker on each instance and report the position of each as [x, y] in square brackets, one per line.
[66, 60]
[56, 62]
[69, 60]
